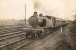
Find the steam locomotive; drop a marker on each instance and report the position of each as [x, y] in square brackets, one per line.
[40, 26]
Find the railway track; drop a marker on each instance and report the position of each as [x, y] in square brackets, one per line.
[12, 38]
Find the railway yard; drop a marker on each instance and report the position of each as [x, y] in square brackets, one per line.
[13, 38]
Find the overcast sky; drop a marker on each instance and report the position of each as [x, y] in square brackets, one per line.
[15, 9]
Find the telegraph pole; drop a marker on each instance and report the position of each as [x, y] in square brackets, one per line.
[25, 14]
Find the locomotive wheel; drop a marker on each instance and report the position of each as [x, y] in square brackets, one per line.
[34, 35]
[28, 35]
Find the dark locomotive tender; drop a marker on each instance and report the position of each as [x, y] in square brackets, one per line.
[40, 26]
